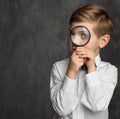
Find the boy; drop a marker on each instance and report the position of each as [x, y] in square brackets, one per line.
[78, 92]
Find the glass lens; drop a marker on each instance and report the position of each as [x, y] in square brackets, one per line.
[80, 35]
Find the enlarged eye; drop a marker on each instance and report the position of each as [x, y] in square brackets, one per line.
[84, 36]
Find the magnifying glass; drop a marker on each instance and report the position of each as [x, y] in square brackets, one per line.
[80, 36]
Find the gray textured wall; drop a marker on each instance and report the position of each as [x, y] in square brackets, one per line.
[34, 35]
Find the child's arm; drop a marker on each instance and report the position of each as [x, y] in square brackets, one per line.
[63, 92]
[100, 82]
[99, 88]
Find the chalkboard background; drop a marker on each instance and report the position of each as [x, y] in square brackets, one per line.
[34, 35]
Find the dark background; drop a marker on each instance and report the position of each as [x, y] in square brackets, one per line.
[34, 35]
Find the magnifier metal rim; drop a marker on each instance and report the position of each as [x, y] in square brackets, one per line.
[88, 32]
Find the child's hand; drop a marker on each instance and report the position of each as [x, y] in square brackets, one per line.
[89, 57]
[74, 65]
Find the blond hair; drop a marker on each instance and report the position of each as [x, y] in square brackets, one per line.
[95, 14]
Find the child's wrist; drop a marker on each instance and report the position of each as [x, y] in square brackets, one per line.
[71, 74]
[91, 69]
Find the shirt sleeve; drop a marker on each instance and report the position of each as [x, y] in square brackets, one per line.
[63, 92]
[99, 91]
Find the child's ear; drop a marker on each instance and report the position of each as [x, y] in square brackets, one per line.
[104, 40]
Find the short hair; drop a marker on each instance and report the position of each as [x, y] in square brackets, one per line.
[95, 14]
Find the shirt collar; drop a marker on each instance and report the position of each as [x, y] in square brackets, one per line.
[97, 60]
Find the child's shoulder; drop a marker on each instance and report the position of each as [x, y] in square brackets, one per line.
[63, 62]
[62, 65]
[108, 65]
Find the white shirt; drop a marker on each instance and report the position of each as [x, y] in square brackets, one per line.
[86, 97]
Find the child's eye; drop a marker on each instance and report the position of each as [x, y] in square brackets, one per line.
[84, 36]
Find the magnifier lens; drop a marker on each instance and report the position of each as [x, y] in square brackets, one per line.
[80, 35]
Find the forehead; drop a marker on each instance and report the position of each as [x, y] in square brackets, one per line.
[90, 26]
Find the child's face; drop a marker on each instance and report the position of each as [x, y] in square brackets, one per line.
[93, 44]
